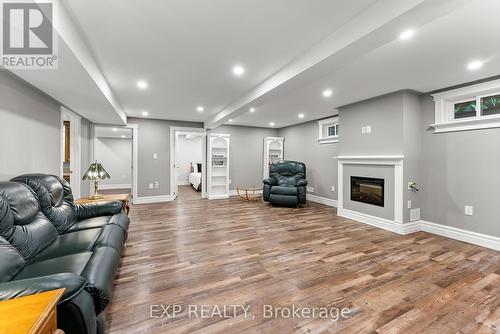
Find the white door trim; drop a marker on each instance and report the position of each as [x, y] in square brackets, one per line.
[75, 150]
[173, 181]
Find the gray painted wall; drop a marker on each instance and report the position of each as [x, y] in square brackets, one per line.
[115, 154]
[301, 144]
[154, 137]
[460, 168]
[29, 129]
[247, 152]
[384, 114]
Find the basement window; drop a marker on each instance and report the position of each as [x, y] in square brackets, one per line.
[469, 108]
[328, 131]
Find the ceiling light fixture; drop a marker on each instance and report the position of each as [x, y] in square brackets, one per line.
[142, 84]
[475, 65]
[301, 115]
[230, 120]
[271, 124]
[252, 109]
[115, 129]
[123, 136]
[144, 113]
[238, 70]
[407, 34]
[200, 109]
[327, 93]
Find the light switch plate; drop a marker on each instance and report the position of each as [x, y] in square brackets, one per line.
[368, 129]
[333, 188]
[409, 204]
[150, 186]
[155, 156]
[469, 210]
[310, 189]
[363, 129]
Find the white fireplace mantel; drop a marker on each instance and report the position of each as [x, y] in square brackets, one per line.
[384, 160]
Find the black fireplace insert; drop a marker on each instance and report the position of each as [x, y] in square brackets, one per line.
[367, 190]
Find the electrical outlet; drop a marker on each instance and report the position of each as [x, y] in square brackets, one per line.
[363, 129]
[469, 210]
[157, 184]
[310, 189]
[368, 129]
[151, 186]
[409, 204]
[333, 188]
[155, 156]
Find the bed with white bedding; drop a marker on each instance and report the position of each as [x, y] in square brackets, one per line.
[195, 175]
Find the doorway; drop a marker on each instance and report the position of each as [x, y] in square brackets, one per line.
[114, 147]
[187, 161]
[71, 150]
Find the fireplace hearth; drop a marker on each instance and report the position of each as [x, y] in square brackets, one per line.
[367, 190]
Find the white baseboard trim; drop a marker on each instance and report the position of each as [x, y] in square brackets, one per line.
[322, 200]
[183, 183]
[153, 199]
[382, 223]
[115, 186]
[474, 238]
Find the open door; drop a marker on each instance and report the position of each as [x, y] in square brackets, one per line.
[71, 150]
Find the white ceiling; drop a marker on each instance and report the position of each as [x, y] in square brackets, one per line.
[291, 50]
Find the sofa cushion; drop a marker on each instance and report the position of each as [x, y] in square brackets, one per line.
[97, 267]
[55, 196]
[284, 190]
[83, 241]
[11, 262]
[22, 224]
[119, 219]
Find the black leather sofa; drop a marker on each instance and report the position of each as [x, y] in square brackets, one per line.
[286, 184]
[48, 242]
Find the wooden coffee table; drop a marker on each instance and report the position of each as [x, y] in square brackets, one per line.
[124, 198]
[249, 193]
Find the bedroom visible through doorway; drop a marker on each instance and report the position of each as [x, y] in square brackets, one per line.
[188, 163]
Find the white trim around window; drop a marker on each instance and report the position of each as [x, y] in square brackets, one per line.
[323, 126]
[445, 103]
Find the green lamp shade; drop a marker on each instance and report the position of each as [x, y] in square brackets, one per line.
[96, 172]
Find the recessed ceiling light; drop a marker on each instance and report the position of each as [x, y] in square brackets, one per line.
[407, 34]
[144, 113]
[238, 70]
[301, 115]
[142, 84]
[252, 109]
[115, 129]
[271, 124]
[230, 120]
[123, 136]
[475, 65]
[200, 109]
[327, 93]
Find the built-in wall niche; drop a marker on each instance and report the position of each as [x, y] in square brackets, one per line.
[274, 148]
[218, 171]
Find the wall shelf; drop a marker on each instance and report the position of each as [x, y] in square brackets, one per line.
[273, 152]
[218, 174]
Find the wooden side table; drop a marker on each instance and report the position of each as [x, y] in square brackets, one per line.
[33, 314]
[124, 198]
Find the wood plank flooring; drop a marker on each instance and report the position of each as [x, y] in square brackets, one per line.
[226, 252]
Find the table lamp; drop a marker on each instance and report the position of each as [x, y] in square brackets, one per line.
[96, 173]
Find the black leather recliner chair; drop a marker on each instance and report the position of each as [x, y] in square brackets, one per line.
[48, 242]
[286, 184]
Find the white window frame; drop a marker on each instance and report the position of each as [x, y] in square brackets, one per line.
[326, 123]
[445, 106]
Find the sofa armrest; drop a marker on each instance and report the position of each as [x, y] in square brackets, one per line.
[96, 209]
[73, 285]
[270, 181]
[302, 182]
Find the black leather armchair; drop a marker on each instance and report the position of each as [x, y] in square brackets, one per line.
[48, 242]
[286, 184]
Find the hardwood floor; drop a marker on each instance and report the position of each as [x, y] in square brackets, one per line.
[226, 252]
